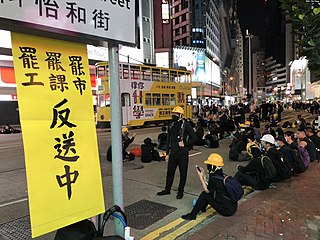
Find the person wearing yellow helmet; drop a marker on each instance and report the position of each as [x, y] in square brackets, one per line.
[124, 130]
[180, 138]
[215, 193]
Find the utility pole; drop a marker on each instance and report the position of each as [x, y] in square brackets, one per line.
[249, 36]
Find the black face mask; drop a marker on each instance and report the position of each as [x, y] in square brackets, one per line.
[175, 118]
[211, 168]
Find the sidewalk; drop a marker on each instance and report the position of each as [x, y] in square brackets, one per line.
[290, 210]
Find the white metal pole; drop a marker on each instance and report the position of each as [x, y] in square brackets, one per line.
[116, 138]
[250, 80]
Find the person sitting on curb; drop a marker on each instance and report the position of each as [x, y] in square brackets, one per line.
[253, 174]
[162, 139]
[268, 143]
[252, 147]
[148, 151]
[214, 192]
[126, 141]
[305, 142]
[311, 134]
[300, 123]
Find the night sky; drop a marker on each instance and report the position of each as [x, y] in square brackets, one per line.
[251, 14]
[263, 18]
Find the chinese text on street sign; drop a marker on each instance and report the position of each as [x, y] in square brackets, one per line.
[104, 19]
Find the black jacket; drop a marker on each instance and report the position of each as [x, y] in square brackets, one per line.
[176, 132]
[311, 148]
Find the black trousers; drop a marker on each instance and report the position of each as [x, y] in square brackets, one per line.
[224, 207]
[177, 158]
[249, 180]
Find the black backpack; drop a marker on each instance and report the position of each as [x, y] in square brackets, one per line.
[234, 188]
[298, 165]
[269, 168]
[234, 150]
[86, 230]
[286, 170]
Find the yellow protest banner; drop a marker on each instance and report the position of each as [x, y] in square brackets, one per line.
[59, 136]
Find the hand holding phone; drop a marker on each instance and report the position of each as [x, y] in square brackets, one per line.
[198, 168]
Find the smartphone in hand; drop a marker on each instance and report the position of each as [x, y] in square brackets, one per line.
[198, 169]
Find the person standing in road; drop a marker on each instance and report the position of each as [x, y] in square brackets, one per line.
[215, 193]
[180, 138]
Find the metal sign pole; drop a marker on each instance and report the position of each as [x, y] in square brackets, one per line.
[116, 139]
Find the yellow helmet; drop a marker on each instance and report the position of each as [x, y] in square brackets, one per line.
[215, 159]
[178, 109]
[247, 123]
[242, 125]
[124, 130]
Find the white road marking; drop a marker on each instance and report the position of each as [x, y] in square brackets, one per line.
[14, 202]
[194, 154]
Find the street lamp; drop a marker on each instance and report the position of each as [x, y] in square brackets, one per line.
[249, 36]
[231, 85]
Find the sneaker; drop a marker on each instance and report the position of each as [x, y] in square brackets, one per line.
[179, 195]
[189, 216]
[164, 192]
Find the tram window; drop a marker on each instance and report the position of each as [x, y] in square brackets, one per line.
[165, 99]
[135, 72]
[148, 99]
[104, 100]
[155, 74]
[125, 71]
[189, 100]
[182, 77]
[156, 99]
[146, 74]
[101, 71]
[123, 101]
[164, 76]
[172, 99]
[188, 78]
[173, 76]
[120, 71]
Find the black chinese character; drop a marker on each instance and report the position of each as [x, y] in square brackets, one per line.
[80, 84]
[68, 145]
[54, 62]
[58, 81]
[31, 82]
[62, 114]
[68, 180]
[28, 57]
[79, 13]
[76, 65]
[101, 19]
[20, 2]
[51, 9]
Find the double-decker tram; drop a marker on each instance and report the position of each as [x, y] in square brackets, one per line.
[148, 94]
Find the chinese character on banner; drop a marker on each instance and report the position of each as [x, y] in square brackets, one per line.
[54, 62]
[57, 121]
